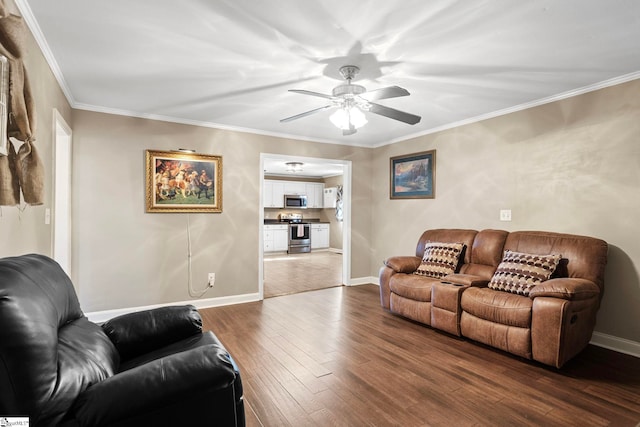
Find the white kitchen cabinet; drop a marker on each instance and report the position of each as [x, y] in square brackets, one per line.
[274, 191]
[330, 197]
[319, 236]
[276, 237]
[294, 187]
[314, 192]
[273, 194]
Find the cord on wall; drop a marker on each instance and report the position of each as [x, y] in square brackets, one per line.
[192, 292]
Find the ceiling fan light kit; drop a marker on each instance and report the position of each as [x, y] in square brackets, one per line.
[347, 118]
[351, 100]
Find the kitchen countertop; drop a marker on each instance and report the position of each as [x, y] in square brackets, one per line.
[271, 221]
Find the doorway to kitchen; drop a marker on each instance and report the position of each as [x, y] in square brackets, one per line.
[327, 264]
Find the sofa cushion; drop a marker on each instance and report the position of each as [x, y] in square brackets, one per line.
[411, 286]
[497, 307]
[519, 272]
[440, 259]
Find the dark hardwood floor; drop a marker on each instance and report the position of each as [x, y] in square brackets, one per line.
[334, 357]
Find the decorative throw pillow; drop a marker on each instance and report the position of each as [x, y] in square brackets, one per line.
[439, 259]
[518, 272]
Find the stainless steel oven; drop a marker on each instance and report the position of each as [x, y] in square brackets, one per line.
[299, 237]
[299, 233]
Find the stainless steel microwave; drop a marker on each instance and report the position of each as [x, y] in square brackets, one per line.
[297, 201]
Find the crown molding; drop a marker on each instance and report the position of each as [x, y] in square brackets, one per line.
[32, 23]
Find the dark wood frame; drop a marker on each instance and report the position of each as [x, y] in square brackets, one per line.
[165, 193]
[414, 187]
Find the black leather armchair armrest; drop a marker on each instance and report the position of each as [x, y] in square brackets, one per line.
[143, 331]
[144, 392]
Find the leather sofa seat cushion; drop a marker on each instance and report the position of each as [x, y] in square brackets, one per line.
[498, 307]
[411, 286]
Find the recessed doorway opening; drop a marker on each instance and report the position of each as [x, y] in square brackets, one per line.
[327, 264]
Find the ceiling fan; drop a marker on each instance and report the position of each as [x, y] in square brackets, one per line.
[351, 100]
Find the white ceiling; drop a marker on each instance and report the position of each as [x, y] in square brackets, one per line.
[229, 63]
[276, 165]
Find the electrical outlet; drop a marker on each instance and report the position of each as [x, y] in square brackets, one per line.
[212, 279]
[505, 215]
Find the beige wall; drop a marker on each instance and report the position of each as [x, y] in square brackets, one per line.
[23, 229]
[124, 257]
[570, 166]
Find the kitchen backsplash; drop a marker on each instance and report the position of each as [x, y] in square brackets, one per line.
[321, 214]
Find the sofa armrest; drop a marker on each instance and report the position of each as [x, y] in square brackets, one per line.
[148, 388]
[403, 264]
[566, 288]
[466, 279]
[143, 331]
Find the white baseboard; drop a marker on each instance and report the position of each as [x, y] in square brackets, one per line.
[620, 345]
[103, 316]
[371, 280]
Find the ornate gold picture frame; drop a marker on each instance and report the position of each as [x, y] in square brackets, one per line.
[179, 182]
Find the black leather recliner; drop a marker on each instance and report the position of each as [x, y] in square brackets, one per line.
[153, 367]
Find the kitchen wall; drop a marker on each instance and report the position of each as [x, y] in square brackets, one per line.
[124, 257]
[569, 166]
[23, 229]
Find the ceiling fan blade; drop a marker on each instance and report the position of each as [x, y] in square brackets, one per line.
[308, 92]
[392, 113]
[385, 93]
[305, 114]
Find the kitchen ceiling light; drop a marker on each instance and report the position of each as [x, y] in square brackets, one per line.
[294, 166]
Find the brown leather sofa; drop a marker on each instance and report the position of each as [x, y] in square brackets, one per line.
[551, 324]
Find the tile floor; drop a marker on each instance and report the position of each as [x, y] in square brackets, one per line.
[286, 274]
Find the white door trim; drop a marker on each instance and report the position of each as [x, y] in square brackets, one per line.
[62, 172]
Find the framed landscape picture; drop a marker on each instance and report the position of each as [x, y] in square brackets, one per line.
[413, 176]
[183, 182]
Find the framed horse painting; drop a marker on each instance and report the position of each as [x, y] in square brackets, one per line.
[183, 182]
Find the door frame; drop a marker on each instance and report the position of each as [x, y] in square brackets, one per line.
[346, 211]
[61, 236]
